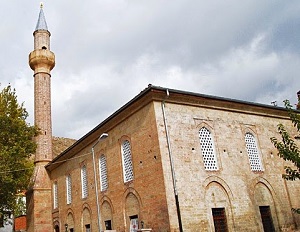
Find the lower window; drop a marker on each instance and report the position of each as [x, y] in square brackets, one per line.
[219, 218]
[108, 225]
[266, 218]
[88, 228]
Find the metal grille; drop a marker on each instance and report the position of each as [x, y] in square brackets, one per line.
[69, 189]
[266, 218]
[84, 184]
[55, 196]
[127, 161]
[103, 173]
[219, 218]
[253, 154]
[208, 150]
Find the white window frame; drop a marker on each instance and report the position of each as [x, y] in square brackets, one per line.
[69, 189]
[253, 153]
[127, 161]
[84, 182]
[208, 149]
[103, 173]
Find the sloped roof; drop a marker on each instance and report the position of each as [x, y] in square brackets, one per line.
[157, 93]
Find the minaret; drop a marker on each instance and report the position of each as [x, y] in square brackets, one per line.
[41, 61]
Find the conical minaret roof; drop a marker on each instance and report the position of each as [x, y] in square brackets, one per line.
[41, 23]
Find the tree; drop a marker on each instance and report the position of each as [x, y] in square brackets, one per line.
[287, 147]
[16, 148]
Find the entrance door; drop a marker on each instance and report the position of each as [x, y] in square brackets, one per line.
[134, 223]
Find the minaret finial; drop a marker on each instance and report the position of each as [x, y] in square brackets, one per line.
[41, 5]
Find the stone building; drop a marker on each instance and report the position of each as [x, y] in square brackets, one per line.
[172, 160]
[177, 159]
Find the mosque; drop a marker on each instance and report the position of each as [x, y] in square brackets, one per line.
[166, 161]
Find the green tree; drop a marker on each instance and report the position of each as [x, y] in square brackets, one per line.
[16, 147]
[287, 147]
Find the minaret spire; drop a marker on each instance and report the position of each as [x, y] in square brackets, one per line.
[41, 23]
[41, 61]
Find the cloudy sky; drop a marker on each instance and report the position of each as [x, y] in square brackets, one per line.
[107, 51]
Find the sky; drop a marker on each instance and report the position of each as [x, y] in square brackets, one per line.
[107, 51]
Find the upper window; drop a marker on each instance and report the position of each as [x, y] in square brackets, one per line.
[103, 173]
[208, 149]
[253, 154]
[55, 196]
[127, 161]
[84, 184]
[69, 189]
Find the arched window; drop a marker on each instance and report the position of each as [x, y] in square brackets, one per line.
[69, 189]
[127, 161]
[208, 149]
[84, 184]
[55, 195]
[103, 173]
[253, 154]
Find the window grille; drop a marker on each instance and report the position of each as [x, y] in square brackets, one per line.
[219, 218]
[253, 154]
[69, 189]
[208, 150]
[84, 184]
[266, 218]
[103, 173]
[55, 196]
[127, 161]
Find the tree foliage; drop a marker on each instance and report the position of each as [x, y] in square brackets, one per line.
[16, 148]
[287, 147]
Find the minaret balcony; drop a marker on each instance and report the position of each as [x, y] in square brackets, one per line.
[41, 60]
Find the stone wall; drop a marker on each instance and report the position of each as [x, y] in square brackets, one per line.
[144, 196]
[233, 186]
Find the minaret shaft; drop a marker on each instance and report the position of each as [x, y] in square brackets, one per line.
[42, 116]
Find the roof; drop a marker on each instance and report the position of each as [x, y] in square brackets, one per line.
[156, 93]
[41, 23]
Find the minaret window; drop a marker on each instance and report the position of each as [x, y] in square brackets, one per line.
[84, 184]
[103, 173]
[208, 149]
[127, 161]
[253, 154]
[44, 48]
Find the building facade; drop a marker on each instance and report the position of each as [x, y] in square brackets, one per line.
[175, 159]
